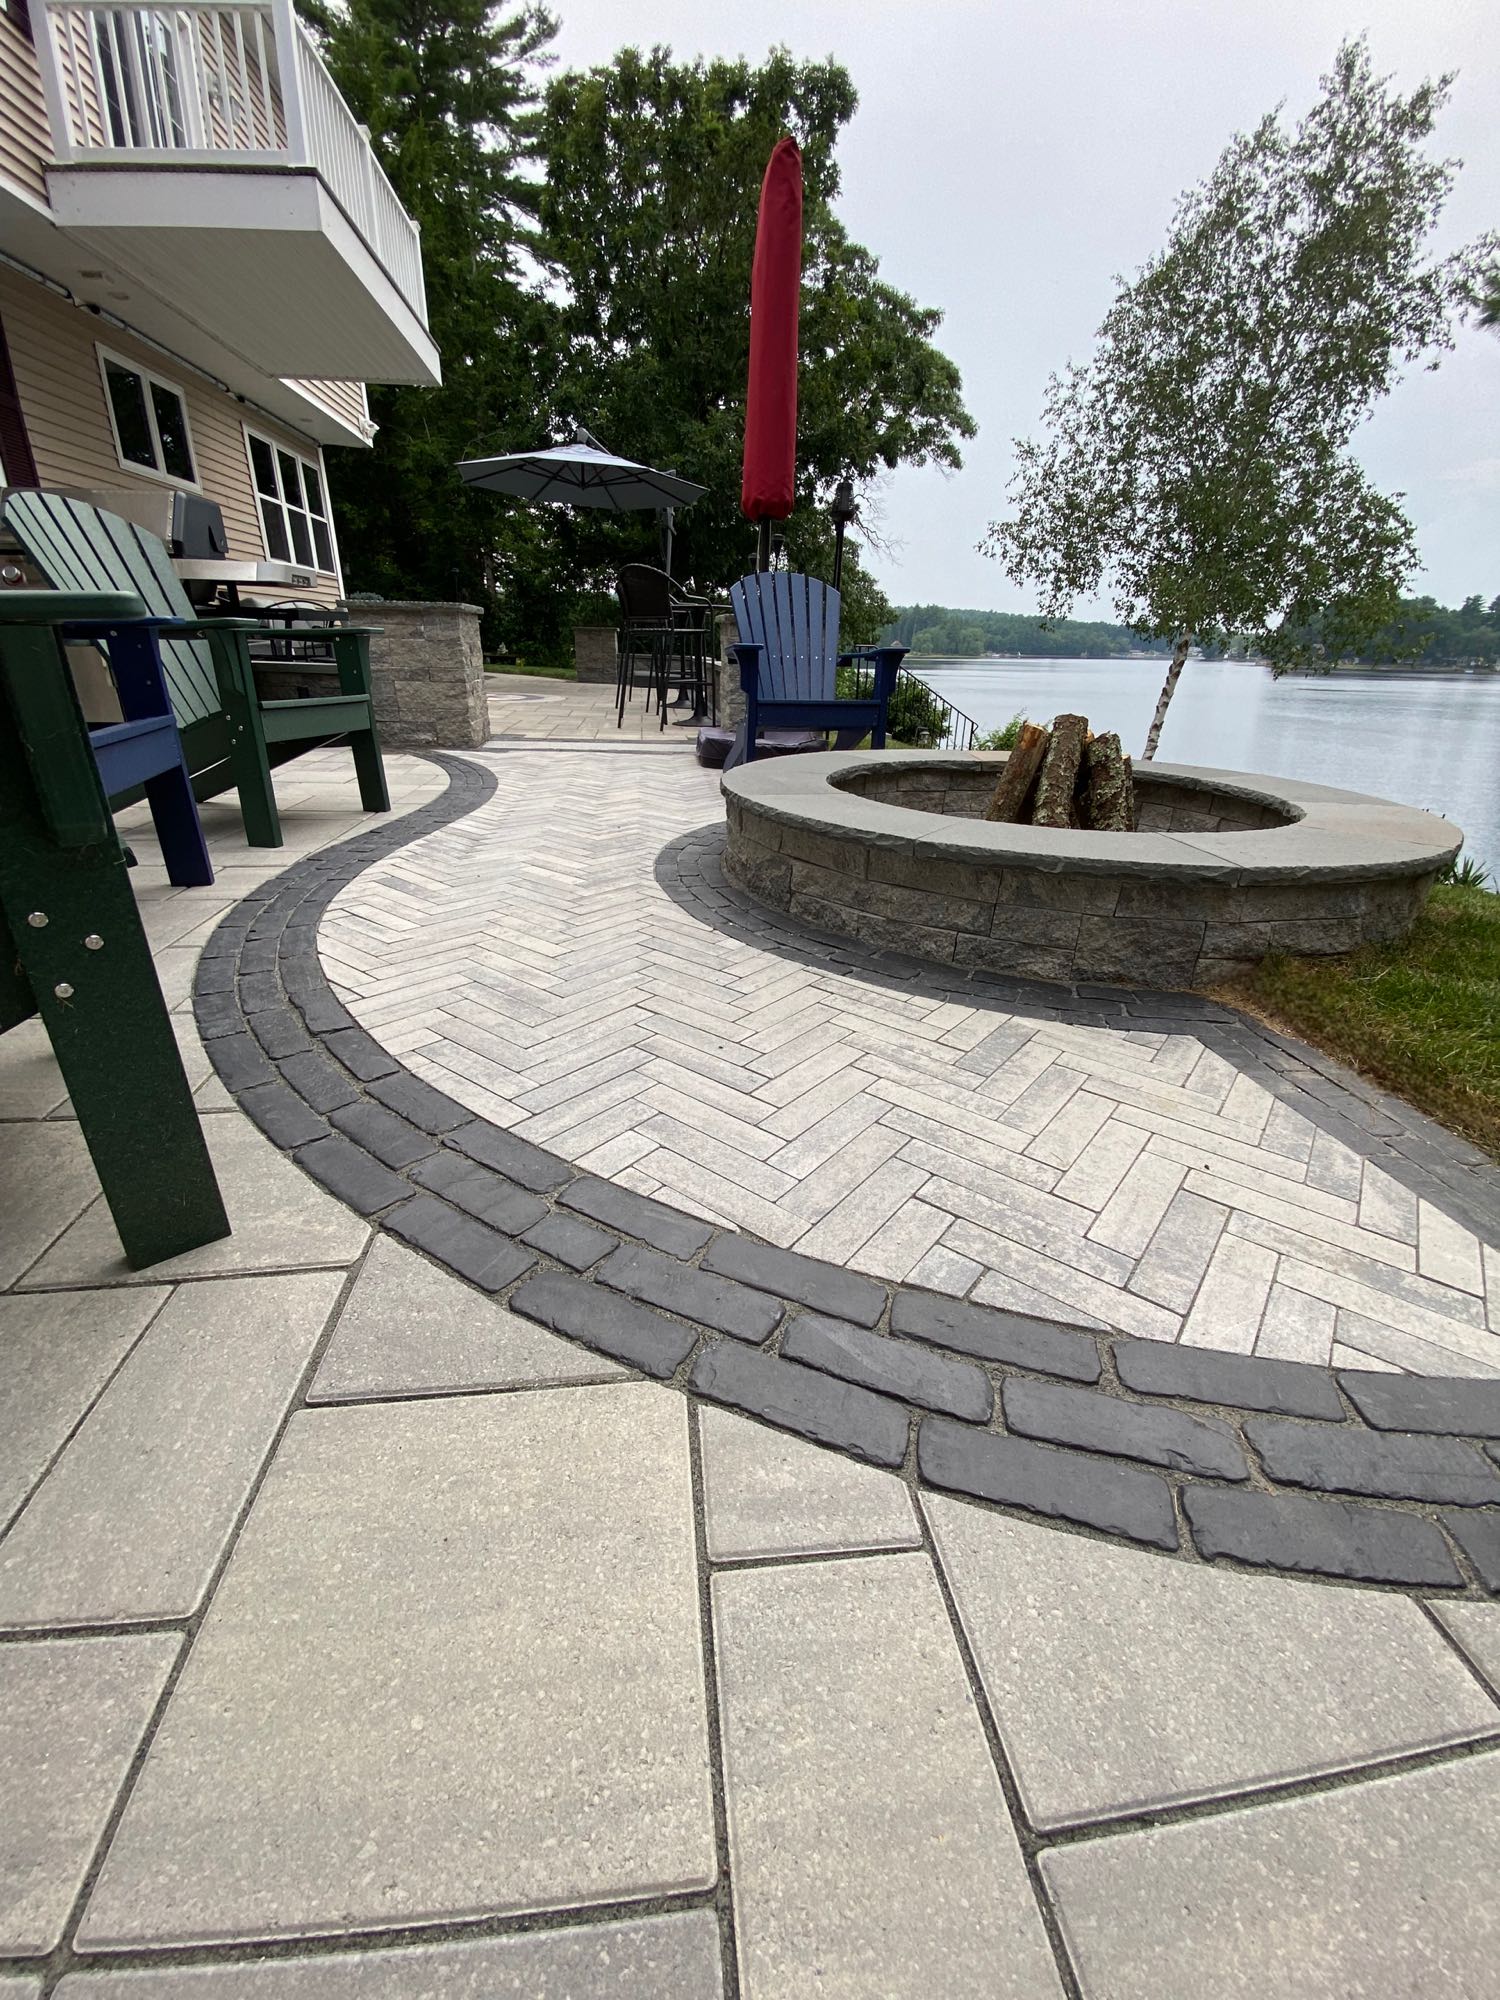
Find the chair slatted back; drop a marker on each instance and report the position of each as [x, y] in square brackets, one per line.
[796, 620]
[80, 547]
[645, 594]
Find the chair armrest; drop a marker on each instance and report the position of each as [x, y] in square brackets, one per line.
[204, 628]
[874, 653]
[886, 661]
[157, 621]
[68, 607]
[748, 653]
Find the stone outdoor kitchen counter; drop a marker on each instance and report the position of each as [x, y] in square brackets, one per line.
[1225, 867]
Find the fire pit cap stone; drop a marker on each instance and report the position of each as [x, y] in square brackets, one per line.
[1325, 834]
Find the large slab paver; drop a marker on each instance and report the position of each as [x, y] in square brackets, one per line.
[410, 1329]
[1120, 1682]
[281, 1220]
[49, 1181]
[454, 1668]
[72, 1714]
[871, 1853]
[1476, 1627]
[31, 1083]
[673, 1957]
[56, 1353]
[1379, 1891]
[767, 1494]
[132, 1519]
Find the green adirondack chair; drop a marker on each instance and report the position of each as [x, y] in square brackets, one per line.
[230, 736]
[72, 947]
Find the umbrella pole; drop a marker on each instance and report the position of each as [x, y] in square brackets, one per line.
[763, 544]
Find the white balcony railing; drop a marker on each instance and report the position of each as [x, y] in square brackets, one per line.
[218, 83]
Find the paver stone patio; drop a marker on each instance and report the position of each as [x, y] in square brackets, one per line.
[368, 1627]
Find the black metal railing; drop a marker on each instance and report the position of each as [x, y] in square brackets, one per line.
[919, 718]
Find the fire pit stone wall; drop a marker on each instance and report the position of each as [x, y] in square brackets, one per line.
[1225, 867]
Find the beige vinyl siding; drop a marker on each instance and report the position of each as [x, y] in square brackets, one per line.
[25, 141]
[345, 399]
[53, 353]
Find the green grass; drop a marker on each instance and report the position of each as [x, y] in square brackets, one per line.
[1421, 1016]
[520, 667]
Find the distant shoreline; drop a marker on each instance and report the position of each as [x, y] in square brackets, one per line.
[1446, 670]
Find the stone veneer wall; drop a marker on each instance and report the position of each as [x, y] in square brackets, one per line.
[427, 675]
[1144, 926]
[595, 652]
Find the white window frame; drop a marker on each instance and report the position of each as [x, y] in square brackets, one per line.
[302, 458]
[148, 376]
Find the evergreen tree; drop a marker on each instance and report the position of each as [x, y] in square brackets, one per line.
[654, 169]
[449, 90]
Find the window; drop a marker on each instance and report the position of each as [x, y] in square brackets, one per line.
[19, 12]
[16, 462]
[149, 419]
[293, 506]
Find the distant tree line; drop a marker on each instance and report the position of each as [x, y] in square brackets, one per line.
[968, 635]
[1427, 633]
[1423, 633]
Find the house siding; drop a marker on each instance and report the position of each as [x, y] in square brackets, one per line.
[53, 354]
[25, 141]
[347, 400]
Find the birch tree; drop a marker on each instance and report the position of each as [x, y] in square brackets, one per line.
[1197, 467]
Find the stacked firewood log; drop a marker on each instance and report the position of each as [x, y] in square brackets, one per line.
[1066, 776]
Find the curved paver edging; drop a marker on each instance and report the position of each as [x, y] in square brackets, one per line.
[1282, 1465]
[1225, 867]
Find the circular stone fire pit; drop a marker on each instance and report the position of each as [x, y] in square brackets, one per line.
[1225, 867]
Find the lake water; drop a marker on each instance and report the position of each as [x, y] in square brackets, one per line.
[1430, 740]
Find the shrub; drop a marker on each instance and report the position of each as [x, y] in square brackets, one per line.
[1466, 874]
[1002, 739]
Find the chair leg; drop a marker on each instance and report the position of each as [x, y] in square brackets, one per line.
[247, 743]
[135, 663]
[351, 652]
[174, 813]
[115, 1047]
[370, 771]
[622, 673]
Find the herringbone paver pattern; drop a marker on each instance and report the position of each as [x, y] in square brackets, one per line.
[527, 961]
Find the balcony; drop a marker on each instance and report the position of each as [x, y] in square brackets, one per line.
[203, 148]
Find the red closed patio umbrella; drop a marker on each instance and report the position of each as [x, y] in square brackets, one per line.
[769, 483]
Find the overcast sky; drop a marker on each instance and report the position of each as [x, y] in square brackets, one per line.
[1009, 157]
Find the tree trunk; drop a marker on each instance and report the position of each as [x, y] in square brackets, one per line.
[1109, 791]
[1054, 788]
[1168, 689]
[1013, 786]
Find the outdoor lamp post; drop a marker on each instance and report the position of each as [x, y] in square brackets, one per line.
[842, 512]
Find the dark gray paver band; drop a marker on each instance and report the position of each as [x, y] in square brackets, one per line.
[1204, 1455]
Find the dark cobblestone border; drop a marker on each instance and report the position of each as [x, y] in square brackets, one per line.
[1273, 1464]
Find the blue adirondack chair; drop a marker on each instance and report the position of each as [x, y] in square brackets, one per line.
[789, 658]
[145, 750]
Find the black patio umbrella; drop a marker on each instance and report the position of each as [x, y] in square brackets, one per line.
[584, 474]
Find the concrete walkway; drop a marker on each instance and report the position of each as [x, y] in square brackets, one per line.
[359, 1638]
